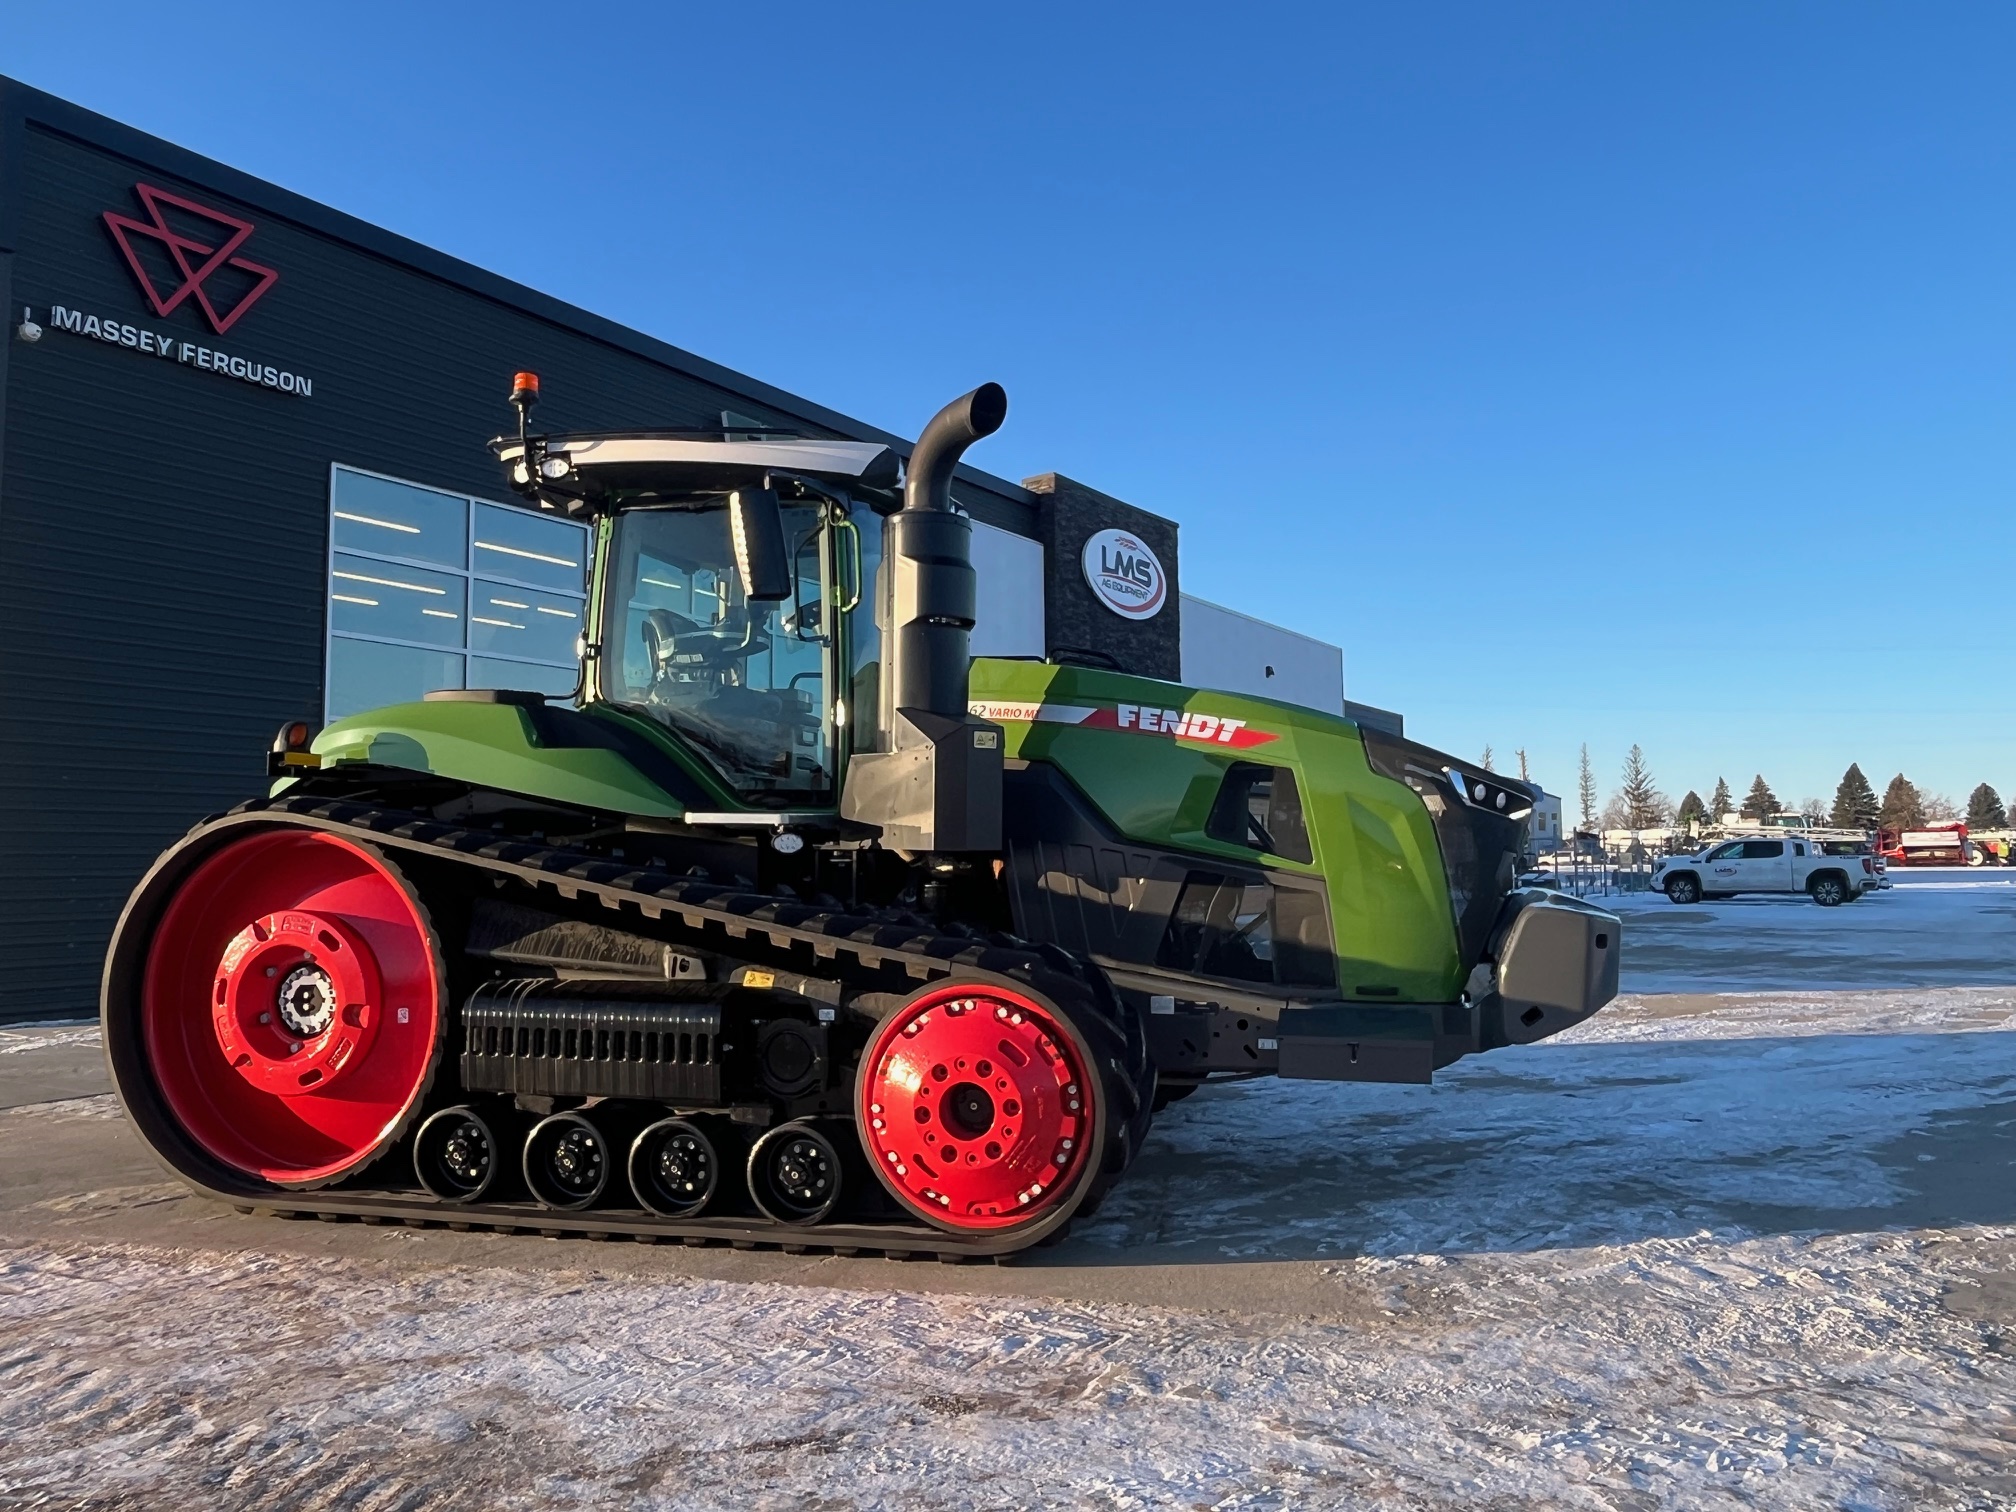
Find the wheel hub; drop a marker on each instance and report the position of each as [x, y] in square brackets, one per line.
[802, 1173]
[682, 1165]
[294, 1000]
[976, 1108]
[307, 1001]
[466, 1153]
[577, 1160]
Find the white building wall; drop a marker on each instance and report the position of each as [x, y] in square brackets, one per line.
[1546, 823]
[1223, 648]
[1008, 608]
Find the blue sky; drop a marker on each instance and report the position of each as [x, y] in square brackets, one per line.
[1590, 373]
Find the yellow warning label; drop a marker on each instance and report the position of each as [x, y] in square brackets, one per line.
[759, 979]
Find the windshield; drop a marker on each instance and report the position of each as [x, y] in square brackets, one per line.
[744, 684]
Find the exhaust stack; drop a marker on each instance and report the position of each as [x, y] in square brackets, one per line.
[935, 785]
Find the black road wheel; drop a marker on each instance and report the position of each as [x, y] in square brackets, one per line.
[1828, 892]
[459, 1155]
[675, 1167]
[567, 1162]
[796, 1174]
[1683, 889]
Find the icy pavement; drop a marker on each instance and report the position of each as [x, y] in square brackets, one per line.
[1712, 1249]
[1685, 1372]
[1933, 929]
[1658, 1118]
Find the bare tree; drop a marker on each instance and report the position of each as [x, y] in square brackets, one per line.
[1815, 811]
[1939, 809]
[1524, 775]
[1488, 759]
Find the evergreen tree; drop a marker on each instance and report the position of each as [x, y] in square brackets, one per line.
[1760, 803]
[1691, 808]
[1721, 803]
[1985, 811]
[1488, 759]
[1902, 807]
[1586, 789]
[1644, 804]
[1855, 805]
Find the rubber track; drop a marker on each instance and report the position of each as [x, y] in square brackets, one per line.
[750, 926]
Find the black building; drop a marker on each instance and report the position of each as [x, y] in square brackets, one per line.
[225, 409]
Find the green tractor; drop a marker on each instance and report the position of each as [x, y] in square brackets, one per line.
[798, 925]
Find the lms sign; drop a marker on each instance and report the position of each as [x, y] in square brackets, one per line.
[1125, 574]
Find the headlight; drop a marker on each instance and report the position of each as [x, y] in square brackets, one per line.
[1486, 792]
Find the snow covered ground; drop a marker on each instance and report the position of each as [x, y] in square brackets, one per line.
[1711, 1249]
[1935, 928]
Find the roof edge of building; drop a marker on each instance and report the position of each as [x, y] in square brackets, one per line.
[23, 105]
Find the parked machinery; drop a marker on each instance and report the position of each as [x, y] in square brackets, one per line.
[800, 922]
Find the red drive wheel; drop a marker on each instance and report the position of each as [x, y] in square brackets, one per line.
[979, 1109]
[290, 1011]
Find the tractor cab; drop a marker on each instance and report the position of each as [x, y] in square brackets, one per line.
[728, 576]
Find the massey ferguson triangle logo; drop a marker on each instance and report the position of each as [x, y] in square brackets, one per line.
[196, 252]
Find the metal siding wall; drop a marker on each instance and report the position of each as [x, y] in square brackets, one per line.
[163, 528]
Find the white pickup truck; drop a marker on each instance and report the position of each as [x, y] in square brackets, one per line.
[1759, 864]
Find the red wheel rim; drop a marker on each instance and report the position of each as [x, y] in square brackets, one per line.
[290, 1011]
[976, 1108]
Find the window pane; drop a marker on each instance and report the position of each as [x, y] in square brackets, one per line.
[1249, 932]
[404, 603]
[523, 622]
[366, 675]
[554, 682]
[740, 681]
[517, 543]
[397, 519]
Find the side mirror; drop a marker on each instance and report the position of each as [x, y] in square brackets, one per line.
[762, 560]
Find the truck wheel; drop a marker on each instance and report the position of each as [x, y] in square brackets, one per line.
[1828, 892]
[1683, 889]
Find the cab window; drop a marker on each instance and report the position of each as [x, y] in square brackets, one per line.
[1763, 850]
[1727, 852]
[742, 683]
[1261, 807]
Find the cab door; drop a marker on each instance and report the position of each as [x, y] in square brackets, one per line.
[1765, 866]
[1722, 868]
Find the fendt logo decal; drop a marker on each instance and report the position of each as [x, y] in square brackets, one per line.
[1141, 719]
[197, 258]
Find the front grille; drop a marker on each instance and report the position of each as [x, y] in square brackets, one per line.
[586, 1038]
[1480, 849]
